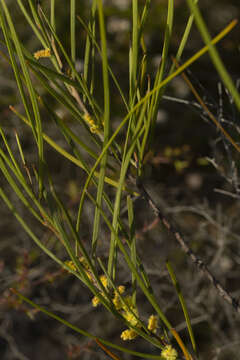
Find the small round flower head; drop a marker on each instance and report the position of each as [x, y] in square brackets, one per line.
[71, 265]
[153, 323]
[121, 289]
[104, 281]
[169, 353]
[89, 275]
[117, 301]
[128, 335]
[95, 301]
[130, 317]
[45, 53]
[91, 123]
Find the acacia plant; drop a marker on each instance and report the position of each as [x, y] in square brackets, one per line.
[108, 156]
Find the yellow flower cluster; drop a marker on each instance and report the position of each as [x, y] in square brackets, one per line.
[89, 120]
[169, 353]
[127, 309]
[104, 281]
[71, 265]
[128, 334]
[45, 53]
[153, 323]
[117, 300]
[103, 278]
[130, 311]
[84, 263]
[95, 299]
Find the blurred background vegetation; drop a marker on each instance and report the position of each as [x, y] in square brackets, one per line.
[178, 176]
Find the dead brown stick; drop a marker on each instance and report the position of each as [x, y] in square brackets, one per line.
[181, 241]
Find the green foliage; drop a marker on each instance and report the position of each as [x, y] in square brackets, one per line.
[48, 80]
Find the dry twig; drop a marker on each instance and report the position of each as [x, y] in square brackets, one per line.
[181, 241]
